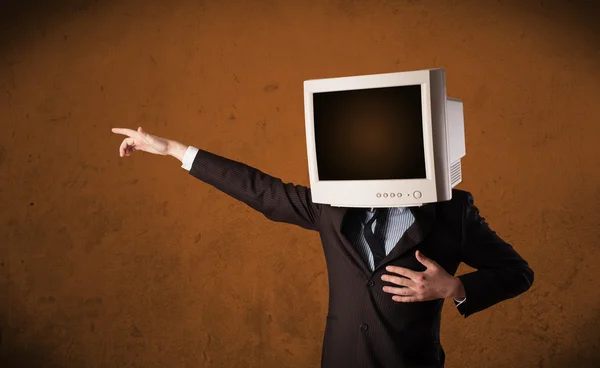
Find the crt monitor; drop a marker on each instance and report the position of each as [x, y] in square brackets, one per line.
[383, 140]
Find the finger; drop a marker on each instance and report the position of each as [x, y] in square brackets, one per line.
[427, 262]
[124, 148]
[124, 131]
[399, 291]
[402, 281]
[402, 271]
[405, 299]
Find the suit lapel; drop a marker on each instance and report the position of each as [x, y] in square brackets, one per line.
[339, 215]
[415, 234]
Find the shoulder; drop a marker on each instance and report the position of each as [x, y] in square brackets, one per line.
[455, 209]
[460, 199]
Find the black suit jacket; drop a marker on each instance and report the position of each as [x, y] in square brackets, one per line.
[365, 327]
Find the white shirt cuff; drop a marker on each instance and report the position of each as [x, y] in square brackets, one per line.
[188, 158]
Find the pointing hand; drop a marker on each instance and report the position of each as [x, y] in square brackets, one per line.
[140, 140]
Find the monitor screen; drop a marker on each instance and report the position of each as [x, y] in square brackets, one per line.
[369, 134]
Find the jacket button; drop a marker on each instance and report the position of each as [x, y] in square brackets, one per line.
[370, 283]
[364, 327]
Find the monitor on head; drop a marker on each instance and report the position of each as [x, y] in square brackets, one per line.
[383, 140]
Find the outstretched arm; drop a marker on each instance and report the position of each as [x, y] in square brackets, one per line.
[276, 200]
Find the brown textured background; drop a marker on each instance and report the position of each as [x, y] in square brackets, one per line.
[110, 262]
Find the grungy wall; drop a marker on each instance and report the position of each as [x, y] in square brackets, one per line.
[111, 262]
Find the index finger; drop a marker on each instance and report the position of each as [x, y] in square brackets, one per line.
[402, 271]
[124, 131]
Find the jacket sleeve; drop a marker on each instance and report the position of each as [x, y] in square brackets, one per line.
[276, 200]
[501, 273]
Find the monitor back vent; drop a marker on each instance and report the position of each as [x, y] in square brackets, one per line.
[455, 173]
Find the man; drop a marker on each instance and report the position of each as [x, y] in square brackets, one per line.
[383, 312]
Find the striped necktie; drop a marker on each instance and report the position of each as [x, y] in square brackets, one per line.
[376, 242]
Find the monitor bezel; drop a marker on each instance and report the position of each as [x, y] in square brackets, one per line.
[364, 193]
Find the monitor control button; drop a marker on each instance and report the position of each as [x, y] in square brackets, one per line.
[417, 194]
[392, 195]
[399, 195]
[378, 195]
[385, 195]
